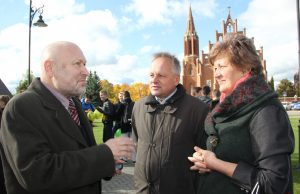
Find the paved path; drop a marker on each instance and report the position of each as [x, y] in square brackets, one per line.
[122, 183]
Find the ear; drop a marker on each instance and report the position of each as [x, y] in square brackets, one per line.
[177, 79]
[48, 66]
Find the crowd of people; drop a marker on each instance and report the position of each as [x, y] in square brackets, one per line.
[182, 143]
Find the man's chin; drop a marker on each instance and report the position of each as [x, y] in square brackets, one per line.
[80, 91]
[155, 93]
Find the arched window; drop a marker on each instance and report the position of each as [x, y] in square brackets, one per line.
[191, 70]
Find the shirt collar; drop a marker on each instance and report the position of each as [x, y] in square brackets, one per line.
[164, 100]
[61, 98]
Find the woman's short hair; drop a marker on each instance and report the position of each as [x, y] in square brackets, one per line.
[240, 52]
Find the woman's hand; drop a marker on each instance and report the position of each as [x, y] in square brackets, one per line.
[201, 159]
[206, 161]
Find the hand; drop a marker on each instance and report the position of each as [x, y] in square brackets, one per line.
[202, 160]
[121, 147]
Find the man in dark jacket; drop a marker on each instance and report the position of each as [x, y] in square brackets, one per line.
[126, 116]
[119, 109]
[166, 125]
[46, 147]
[107, 109]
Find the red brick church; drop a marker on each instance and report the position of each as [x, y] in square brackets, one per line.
[196, 69]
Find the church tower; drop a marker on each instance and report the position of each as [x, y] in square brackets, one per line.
[196, 69]
[191, 55]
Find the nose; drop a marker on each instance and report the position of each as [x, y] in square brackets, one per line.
[84, 70]
[217, 73]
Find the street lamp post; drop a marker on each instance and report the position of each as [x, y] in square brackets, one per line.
[39, 23]
[298, 25]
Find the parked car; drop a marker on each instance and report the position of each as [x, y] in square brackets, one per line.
[296, 106]
[293, 103]
[287, 105]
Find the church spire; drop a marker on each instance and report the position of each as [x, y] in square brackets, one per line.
[190, 30]
[229, 20]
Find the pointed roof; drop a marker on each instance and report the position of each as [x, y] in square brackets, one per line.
[229, 20]
[190, 29]
[4, 90]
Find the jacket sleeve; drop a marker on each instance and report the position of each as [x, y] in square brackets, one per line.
[272, 143]
[107, 108]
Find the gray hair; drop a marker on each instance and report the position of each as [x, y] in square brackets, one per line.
[175, 61]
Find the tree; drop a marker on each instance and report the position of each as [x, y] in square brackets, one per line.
[93, 87]
[23, 84]
[138, 90]
[117, 88]
[271, 83]
[109, 87]
[285, 86]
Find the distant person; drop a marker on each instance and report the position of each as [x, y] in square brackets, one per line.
[205, 95]
[215, 98]
[86, 103]
[107, 109]
[119, 109]
[47, 143]
[3, 101]
[250, 138]
[197, 91]
[167, 124]
[126, 127]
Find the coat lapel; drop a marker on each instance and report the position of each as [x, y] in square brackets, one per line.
[69, 126]
[62, 116]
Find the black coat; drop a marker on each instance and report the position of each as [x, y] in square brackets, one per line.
[45, 152]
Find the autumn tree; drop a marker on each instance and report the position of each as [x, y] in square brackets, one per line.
[109, 87]
[285, 86]
[117, 88]
[138, 90]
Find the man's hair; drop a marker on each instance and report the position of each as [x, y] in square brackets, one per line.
[197, 89]
[104, 92]
[88, 96]
[175, 61]
[126, 94]
[240, 52]
[206, 90]
[4, 98]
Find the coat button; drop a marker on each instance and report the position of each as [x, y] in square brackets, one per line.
[152, 145]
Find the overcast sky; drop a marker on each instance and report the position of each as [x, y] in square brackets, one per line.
[119, 37]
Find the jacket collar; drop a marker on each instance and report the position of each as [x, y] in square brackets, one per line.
[62, 115]
[168, 107]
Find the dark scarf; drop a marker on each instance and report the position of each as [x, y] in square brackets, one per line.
[244, 94]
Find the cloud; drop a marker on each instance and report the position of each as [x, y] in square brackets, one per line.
[126, 70]
[96, 32]
[273, 25]
[163, 11]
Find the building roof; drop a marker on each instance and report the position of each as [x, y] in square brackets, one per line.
[4, 90]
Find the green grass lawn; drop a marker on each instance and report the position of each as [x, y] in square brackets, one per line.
[295, 156]
[98, 132]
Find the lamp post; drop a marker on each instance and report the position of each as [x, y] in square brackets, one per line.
[39, 23]
[298, 25]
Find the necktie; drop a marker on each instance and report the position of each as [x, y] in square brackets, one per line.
[73, 112]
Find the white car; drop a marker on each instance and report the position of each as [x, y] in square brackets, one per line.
[287, 105]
